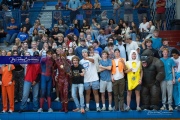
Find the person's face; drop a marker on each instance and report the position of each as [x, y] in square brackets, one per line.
[110, 40]
[83, 43]
[133, 56]
[85, 54]
[91, 51]
[60, 21]
[27, 54]
[45, 45]
[124, 25]
[75, 62]
[25, 45]
[127, 40]
[12, 20]
[148, 44]
[121, 22]
[15, 54]
[54, 56]
[36, 26]
[60, 38]
[150, 22]
[165, 43]
[75, 21]
[15, 47]
[75, 38]
[165, 53]
[81, 35]
[3, 53]
[132, 24]
[58, 51]
[34, 45]
[117, 54]
[144, 20]
[84, 21]
[17, 40]
[24, 29]
[49, 55]
[111, 22]
[156, 34]
[102, 32]
[56, 28]
[110, 47]
[120, 42]
[94, 45]
[93, 20]
[70, 50]
[89, 37]
[27, 20]
[175, 56]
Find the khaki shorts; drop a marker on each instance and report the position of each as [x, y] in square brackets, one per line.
[104, 85]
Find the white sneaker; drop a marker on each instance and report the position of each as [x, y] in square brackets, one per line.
[3, 111]
[40, 110]
[170, 108]
[98, 109]
[163, 107]
[86, 109]
[50, 110]
[57, 99]
[103, 109]
[10, 111]
[28, 100]
[110, 108]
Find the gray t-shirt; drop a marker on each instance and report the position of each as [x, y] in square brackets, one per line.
[128, 6]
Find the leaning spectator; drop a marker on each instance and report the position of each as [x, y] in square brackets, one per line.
[142, 7]
[128, 10]
[23, 36]
[12, 32]
[160, 13]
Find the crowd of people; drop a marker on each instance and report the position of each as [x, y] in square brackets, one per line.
[95, 58]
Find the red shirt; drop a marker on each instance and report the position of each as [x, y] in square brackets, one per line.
[161, 9]
[32, 72]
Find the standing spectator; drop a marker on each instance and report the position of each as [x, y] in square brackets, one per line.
[55, 32]
[134, 76]
[91, 79]
[23, 36]
[16, 4]
[104, 19]
[176, 87]
[74, 6]
[32, 78]
[142, 6]
[97, 49]
[105, 80]
[118, 66]
[156, 40]
[77, 84]
[167, 83]
[102, 38]
[7, 13]
[60, 5]
[97, 7]
[95, 28]
[121, 47]
[133, 31]
[160, 13]
[12, 32]
[7, 84]
[24, 13]
[56, 14]
[72, 30]
[128, 10]
[143, 28]
[116, 9]
[78, 50]
[88, 9]
[27, 24]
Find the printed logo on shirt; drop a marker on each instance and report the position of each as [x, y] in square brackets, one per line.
[86, 65]
[75, 73]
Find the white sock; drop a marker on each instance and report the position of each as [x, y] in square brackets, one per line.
[104, 105]
[97, 104]
[87, 105]
[109, 105]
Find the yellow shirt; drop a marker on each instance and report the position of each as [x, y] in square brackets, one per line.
[133, 77]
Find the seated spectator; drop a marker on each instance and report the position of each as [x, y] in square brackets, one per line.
[16, 4]
[165, 44]
[133, 31]
[55, 31]
[89, 41]
[62, 26]
[78, 50]
[156, 41]
[76, 24]
[111, 26]
[12, 32]
[94, 28]
[110, 40]
[43, 40]
[116, 9]
[7, 13]
[125, 30]
[97, 8]
[56, 14]
[27, 24]
[72, 30]
[104, 19]
[44, 30]
[75, 43]
[96, 47]
[141, 7]
[118, 29]
[35, 35]
[60, 39]
[151, 28]
[85, 26]
[32, 29]
[23, 35]
[60, 5]
[143, 28]
[82, 35]
[147, 44]
[18, 43]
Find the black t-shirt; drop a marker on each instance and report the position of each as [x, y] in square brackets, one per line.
[76, 77]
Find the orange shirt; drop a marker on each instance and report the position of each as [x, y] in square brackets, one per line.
[6, 74]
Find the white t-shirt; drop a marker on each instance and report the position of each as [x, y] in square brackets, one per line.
[177, 67]
[145, 26]
[132, 46]
[118, 75]
[97, 58]
[90, 71]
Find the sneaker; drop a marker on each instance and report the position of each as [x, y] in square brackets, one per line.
[176, 108]
[16, 101]
[103, 109]
[3, 111]
[98, 109]
[127, 108]
[138, 109]
[57, 99]
[163, 107]
[86, 109]
[110, 108]
[76, 110]
[50, 110]
[170, 108]
[40, 110]
[28, 100]
[10, 111]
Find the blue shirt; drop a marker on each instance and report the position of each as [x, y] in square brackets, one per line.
[168, 65]
[106, 74]
[74, 31]
[22, 36]
[78, 51]
[102, 39]
[74, 4]
[157, 43]
[98, 50]
[12, 31]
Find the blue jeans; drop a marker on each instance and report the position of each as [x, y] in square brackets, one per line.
[94, 34]
[133, 35]
[176, 90]
[26, 91]
[79, 87]
[11, 38]
[46, 84]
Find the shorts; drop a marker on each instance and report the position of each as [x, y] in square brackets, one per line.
[104, 85]
[160, 17]
[94, 85]
[137, 88]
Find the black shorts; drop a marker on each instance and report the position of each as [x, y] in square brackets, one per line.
[137, 88]
[160, 17]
